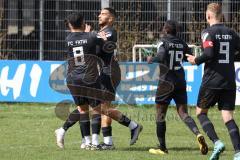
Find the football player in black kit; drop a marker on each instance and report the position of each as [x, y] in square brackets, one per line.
[171, 52]
[220, 45]
[82, 81]
[110, 75]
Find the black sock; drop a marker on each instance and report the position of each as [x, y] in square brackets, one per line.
[81, 130]
[161, 130]
[72, 119]
[191, 125]
[124, 121]
[107, 131]
[85, 124]
[208, 127]
[96, 123]
[234, 134]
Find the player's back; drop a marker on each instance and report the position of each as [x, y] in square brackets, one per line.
[220, 43]
[174, 55]
[82, 57]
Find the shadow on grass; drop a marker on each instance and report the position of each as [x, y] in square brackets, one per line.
[134, 149]
[183, 149]
[170, 149]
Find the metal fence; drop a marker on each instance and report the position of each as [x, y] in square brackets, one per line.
[34, 29]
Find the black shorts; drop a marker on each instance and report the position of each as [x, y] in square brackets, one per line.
[108, 87]
[209, 97]
[84, 93]
[179, 95]
[110, 79]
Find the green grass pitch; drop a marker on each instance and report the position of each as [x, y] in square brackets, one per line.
[27, 133]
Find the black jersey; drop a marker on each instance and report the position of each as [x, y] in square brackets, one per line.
[219, 44]
[82, 57]
[171, 52]
[107, 52]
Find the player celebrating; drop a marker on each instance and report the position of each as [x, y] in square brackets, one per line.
[172, 85]
[82, 80]
[218, 84]
[82, 54]
[110, 73]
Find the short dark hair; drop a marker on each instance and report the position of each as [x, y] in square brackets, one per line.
[171, 27]
[111, 11]
[75, 19]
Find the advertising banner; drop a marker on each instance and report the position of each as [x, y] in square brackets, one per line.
[44, 81]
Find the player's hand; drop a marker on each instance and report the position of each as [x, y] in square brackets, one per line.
[87, 28]
[191, 59]
[149, 59]
[102, 34]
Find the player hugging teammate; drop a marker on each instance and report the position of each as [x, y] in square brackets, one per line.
[85, 85]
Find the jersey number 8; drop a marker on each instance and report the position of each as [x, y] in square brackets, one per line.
[78, 55]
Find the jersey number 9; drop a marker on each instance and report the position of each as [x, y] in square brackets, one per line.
[224, 49]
